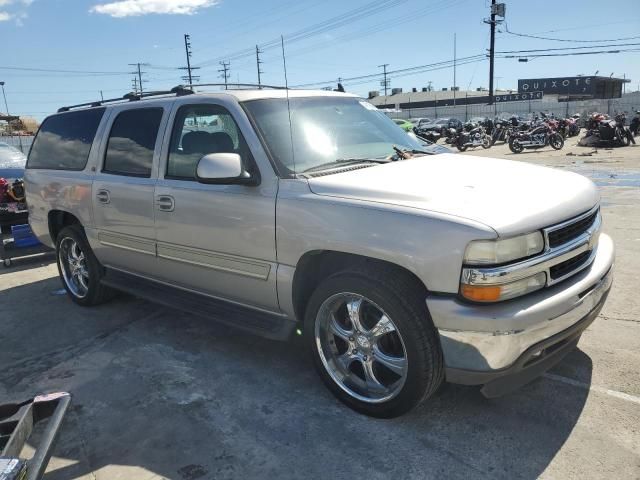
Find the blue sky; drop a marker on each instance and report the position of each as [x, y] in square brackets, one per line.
[349, 39]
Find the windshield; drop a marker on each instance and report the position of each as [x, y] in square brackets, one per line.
[325, 129]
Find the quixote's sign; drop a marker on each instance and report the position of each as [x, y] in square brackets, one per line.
[558, 86]
[514, 97]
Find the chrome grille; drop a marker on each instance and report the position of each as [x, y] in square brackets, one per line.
[567, 267]
[570, 230]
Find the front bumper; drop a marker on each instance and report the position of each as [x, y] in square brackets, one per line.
[482, 343]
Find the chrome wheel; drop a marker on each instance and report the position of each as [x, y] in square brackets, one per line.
[360, 347]
[73, 265]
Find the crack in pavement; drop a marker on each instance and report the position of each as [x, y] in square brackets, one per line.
[622, 319]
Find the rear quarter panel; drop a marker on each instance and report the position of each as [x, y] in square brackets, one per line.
[56, 190]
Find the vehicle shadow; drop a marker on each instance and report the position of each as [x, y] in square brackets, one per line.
[26, 263]
[159, 392]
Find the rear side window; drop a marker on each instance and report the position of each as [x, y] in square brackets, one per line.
[64, 140]
[132, 141]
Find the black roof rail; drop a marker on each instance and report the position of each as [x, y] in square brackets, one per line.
[238, 86]
[131, 97]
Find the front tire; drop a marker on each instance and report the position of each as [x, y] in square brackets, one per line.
[79, 269]
[515, 146]
[556, 141]
[373, 342]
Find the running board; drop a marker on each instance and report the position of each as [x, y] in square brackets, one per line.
[258, 322]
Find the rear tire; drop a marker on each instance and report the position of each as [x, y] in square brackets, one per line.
[79, 269]
[405, 364]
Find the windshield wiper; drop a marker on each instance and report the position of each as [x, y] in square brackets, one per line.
[406, 153]
[342, 162]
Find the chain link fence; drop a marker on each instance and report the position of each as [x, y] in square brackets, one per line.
[22, 142]
[629, 105]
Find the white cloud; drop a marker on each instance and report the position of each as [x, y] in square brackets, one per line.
[130, 8]
[14, 10]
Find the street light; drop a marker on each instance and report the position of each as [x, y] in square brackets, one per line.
[6, 107]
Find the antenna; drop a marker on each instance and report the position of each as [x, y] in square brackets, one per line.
[286, 86]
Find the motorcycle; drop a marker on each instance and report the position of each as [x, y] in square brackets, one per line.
[501, 131]
[634, 126]
[471, 136]
[604, 131]
[538, 137]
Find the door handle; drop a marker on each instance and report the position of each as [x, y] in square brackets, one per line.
[103, 196]
[166, 203]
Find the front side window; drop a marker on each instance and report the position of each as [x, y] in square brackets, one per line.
[132, 141]
[64, 140]
[325, 129]
[199, 130]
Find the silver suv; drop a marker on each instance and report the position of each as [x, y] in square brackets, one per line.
[283, 212]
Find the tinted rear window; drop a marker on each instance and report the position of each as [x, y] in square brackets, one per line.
[132, 141]
[64, 140]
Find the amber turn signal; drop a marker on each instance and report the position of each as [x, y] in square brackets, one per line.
[481, 293]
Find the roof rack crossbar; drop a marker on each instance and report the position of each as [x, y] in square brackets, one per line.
[179, 91]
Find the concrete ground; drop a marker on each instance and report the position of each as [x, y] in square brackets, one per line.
[160, 394]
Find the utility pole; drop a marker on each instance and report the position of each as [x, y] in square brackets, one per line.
[187, 48]
[497, 9]
[385, 82]
[454, 69]
[139, 72]
[134, 84]
[101, 96]
[258, 63]
[492, 23]
[224, 73]
[6, 106]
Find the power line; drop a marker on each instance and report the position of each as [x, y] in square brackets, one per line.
[316, 29]
[83, 72]
[571, 48]
[571, 53]
[399, 72]
[565, 39]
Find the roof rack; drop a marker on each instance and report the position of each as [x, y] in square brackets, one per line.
[239, 86]
[179, 91]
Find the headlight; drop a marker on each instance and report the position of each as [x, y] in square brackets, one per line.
[505, 291]
[493, 252]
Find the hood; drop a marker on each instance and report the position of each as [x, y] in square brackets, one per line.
[509, 196]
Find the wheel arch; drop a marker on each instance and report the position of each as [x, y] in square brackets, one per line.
[316, 265]
[57, 220]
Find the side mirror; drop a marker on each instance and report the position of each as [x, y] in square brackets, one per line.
[222, 168]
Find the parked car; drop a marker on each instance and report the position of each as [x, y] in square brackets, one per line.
[311, 211]
[435, 130]
[13, 210]
[403, 124]
[418, 122]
